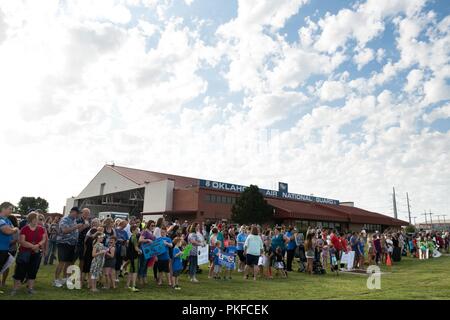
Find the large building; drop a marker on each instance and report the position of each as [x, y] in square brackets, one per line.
[154, 194]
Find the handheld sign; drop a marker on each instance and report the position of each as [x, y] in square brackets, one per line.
[203, 255]
[186, 251]
[226, 260]
[155, 248]
[348, 259]
[231, 250]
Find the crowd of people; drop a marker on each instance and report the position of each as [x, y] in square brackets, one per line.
[110, 251]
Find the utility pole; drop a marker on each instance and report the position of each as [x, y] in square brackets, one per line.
[394, 202]
[425, 214]
[409, 210]
[414, 220]
[431, 220]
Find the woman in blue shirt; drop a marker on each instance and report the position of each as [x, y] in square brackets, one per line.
[241, 237]
[290, 248]
[6, 233]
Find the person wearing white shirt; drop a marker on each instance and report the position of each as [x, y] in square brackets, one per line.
[253, 248]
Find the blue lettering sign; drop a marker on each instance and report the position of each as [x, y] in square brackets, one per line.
[226, 260]
[155, 248]
[282, 193]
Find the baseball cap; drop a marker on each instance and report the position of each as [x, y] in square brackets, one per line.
[75, 209]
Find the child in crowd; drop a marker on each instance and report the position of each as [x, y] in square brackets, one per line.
[110, 264]
[88, 248]
[361, 248]
[163, 259]
[279, 263]
[423, 253]
[98, 259]
[177, 265]
[231, 249]
[333, 258]
[268, 255]
[133, 253]
[325, 255]
[216, 253]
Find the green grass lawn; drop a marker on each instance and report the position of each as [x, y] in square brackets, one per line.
[409, 279]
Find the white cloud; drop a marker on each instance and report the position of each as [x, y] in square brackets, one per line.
[437, 113]
[436, 89]
[414, 78]
[247, 46]
[363, 57]
[267, 109]
[113, 84]
[3, 27]
[363, 24]
[380, 54]
[332, 90]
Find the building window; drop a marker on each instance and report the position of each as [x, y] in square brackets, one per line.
[213, 198]
[102, 188]
[372, 227]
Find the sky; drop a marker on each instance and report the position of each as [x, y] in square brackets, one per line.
[340, 99]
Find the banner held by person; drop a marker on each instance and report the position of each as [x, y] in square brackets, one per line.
[203, 255]
[155, 248]
[186, 251]
[226, 260]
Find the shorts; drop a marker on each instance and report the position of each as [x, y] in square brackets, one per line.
[279, 265]
[176, 273]
[66, 252]
[217, 268]
[310, 254]
[110, 263]
[134, 264]
[162, 266]
[241, 256]
[79, 252]
[28, 270]
[251, 260]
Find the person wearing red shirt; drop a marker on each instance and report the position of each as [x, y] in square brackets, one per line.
[344, 243]
[336, 244]
[32, 240]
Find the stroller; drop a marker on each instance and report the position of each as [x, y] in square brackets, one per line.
[317, 267]
[301, 260]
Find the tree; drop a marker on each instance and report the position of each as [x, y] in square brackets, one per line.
[27, 203]
[410, 229]
[251, 207]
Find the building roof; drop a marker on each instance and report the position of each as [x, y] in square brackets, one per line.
[305, 210]
[358, 215]
[143, 176]
[326, 212]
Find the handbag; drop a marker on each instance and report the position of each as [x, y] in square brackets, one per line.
[25, 256]
[123, 251]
